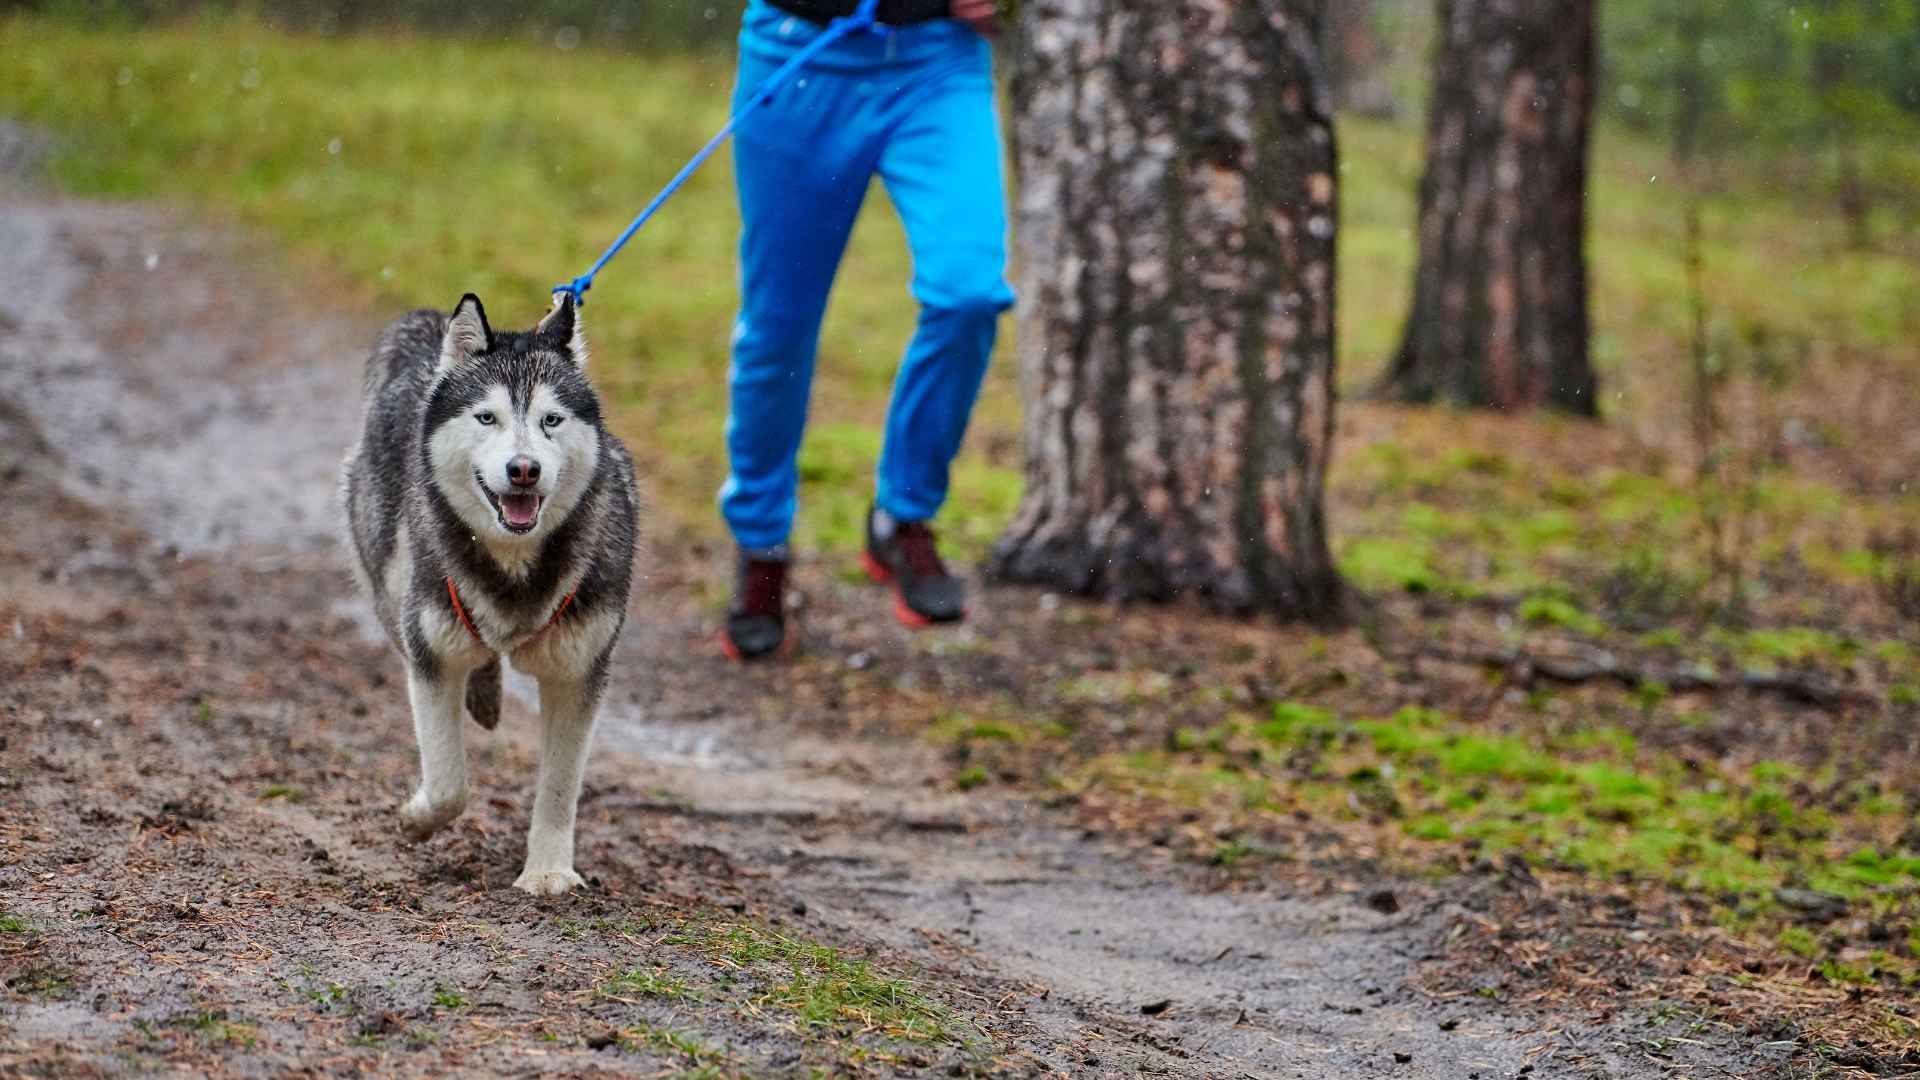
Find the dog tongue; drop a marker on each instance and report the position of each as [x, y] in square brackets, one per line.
[520, 509]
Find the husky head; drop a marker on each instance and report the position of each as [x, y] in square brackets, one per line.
[512, 425]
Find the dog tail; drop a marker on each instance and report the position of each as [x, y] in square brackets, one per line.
[483, 695]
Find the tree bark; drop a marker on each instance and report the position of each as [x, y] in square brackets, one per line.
[1500, 293]
[1176, 225]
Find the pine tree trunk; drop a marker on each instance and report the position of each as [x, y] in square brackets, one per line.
[1176, 227]
[1500, 293]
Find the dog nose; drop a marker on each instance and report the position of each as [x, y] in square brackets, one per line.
[523, 471]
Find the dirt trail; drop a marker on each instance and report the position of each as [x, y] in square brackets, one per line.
[198, 646]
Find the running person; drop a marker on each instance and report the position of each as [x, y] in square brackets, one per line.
[914, 106]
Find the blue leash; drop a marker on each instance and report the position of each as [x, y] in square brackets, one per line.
[863, 18]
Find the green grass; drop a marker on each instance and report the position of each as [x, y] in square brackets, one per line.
[705, 1061]
[1385, 563]
[1585, 547]
[825, 992]
[645, 982]
[970, 730]
[1799, 941]
[1791, 645]
[842, 1010]
[326, 996]
[1549, 609]
[215, 1026]
[1590, 798]
[43, 981]
[15, 924]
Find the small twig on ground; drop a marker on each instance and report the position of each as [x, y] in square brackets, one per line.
[1526, 668]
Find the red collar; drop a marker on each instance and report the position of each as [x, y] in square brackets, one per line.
[453, 594]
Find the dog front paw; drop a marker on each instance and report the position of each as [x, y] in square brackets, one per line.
[549, 882]
[421, 817]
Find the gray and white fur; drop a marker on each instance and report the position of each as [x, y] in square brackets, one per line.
[485, 461]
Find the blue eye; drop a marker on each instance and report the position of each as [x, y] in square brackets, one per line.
[553, 420]
[485, 418]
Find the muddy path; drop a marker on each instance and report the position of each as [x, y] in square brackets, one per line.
[203, 745]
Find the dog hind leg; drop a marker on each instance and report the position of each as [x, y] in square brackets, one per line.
[442, 793]
[483, 695]
[566, 730]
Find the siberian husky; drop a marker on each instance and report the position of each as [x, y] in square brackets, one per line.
[494, 516]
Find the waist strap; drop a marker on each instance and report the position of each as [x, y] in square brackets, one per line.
[892, 12]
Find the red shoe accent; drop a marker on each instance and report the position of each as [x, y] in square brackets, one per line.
[730, 650]
[880, 574]
[908, 617]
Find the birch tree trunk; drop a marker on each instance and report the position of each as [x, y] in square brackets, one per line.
[1175, 225]
[1500, 293]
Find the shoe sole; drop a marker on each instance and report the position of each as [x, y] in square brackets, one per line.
[733, 653]
[878, 572]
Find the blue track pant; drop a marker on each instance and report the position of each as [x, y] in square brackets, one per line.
[915, 108]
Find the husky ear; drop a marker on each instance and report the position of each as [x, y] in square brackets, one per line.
[561, 330]
[467, 333]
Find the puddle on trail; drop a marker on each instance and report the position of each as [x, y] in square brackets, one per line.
[623, 728]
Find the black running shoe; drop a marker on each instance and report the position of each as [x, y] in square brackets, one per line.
[757, 622]
[908, 558]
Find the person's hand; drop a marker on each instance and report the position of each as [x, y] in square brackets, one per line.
[982, 15]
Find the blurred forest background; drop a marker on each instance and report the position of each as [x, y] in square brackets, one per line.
[1691, 627]
[1798, 125]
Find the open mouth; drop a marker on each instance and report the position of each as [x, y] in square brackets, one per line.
[517, 512]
